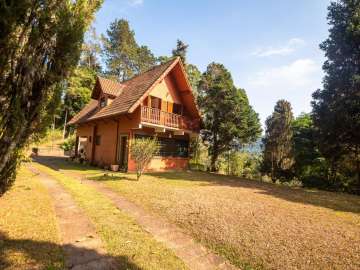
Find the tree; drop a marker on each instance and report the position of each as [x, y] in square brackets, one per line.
[91, 50]
[124, 57]
[278, 151]
[180, 50]
[229, 121]
[336, 108]
[142, 150]
[39, 44]
[194, 76]
[310, 166]
[79, 88]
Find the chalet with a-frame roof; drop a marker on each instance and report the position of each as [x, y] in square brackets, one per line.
[158, 103]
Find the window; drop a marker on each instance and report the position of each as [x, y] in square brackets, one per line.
[155, 102]
[177, 108]
[170, 147]
[97, 139]
[102, 102]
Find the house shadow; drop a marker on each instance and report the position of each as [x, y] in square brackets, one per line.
[44, 253]
[332, 200]
[59, 163]
[62, 163]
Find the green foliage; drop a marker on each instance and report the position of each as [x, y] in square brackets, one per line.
[336, 108]
[180, 50]
[199, 155]
[39, 44]
[194, 76]
[68, 144]
[229, 120]
[278, 152]
[80, 85]
[241, 164]
[124, 57]
[142, 150]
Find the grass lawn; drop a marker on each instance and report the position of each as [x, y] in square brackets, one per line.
[253, 224]
[29, 236]
[123, 238]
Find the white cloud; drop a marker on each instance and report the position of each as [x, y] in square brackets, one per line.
[294, 82]
[298, 73]
[291, 46]
[136, 2]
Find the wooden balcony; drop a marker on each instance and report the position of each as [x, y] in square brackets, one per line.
[165, 119]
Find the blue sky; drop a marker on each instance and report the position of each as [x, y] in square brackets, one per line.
[271, 47]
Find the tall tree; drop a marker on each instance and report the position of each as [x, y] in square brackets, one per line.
[124, 57]
[229, 121]
[78, 91]
[181, 50]
[40, 42]
[278, 151]
[336, 108]
[91, 50]
[310, 166]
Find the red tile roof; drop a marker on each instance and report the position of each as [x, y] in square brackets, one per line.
[127, 93]
[107, 86]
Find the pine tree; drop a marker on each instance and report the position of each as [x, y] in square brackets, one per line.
[229, 121]
[181, 50]
[278, 151]
[40, 43]
[124, 57]
[336, 108]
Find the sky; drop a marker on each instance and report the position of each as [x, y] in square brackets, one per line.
[271, 47]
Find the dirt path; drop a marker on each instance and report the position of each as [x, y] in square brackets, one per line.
[82, 247]
[194, 255]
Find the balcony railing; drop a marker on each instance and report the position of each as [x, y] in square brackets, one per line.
[161, 118]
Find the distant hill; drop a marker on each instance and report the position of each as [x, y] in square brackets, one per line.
[255, 148]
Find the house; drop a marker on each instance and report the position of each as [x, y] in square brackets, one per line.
[158, 102]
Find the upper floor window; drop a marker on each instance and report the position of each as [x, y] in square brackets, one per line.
[155, 102]
[102, 102]
[177, 108]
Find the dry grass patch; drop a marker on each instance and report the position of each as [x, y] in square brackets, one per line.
[29, 235]
[124, 239]
[254, 225]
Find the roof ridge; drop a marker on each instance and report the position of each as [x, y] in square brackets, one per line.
[150, 69]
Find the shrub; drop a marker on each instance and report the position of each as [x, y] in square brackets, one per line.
[142, 151]
[68, 144]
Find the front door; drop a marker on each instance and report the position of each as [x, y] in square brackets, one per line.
[122, 152]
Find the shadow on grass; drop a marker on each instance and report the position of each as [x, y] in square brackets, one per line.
[331, 200]
[51, 256]
[62, 163]
[109, 177]
[95, 173]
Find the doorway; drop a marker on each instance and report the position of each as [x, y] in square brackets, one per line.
[122, 155]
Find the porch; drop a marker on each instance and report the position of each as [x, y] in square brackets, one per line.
[154, 117]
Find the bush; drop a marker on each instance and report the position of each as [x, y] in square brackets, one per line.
[142, 151]
[68, 144]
